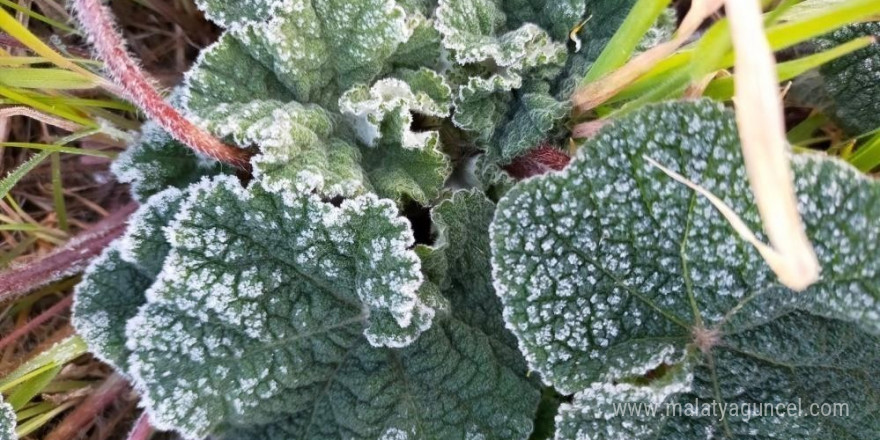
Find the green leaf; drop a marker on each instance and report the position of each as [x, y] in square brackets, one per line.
[231, 323]
[475, 31]
[624, 286]
[402, 163]
[422, 49]
[606, 17]
[853, 81]
[112, 289]
[320, 48]
[461, 379]
[482, 104]
[229, 13]
[7, 421]
[533, 122]
[557, 17]
[156, 161]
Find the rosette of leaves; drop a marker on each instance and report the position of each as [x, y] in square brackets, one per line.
[244, 313]
[625, 287]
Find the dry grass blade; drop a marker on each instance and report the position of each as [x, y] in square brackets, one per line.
[761, 125]
[595, 93]
[67, 260]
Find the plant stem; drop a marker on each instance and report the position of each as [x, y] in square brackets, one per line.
[68, 260]
[110, 47]
[51, 312]
[538, 161]
[142, 429]
[90, 409]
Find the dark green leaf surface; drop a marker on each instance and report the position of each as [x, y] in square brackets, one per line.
[624, 286]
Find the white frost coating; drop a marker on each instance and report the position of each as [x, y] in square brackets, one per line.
[601, 267]
[462, 25]
[237, 12]
[394, 434]
[7, 421]
[95, 328]
[367, 109]
[216, 318]
[138, 223]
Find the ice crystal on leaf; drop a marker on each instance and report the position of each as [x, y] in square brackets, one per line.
[607, 270]
[113, 287]
[270, 311]
[7, 421]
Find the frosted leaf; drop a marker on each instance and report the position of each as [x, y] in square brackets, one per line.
[610, 272]
[853, 81]
[319, 48]
[225, 73]
[7, 421]
[482, 104]
[255, 282]
[144, 243]
[533, 121]
[113, 286]
[424, 92]
[401, 163]
[405, 174]
[422, 49]
[299, 147]
[606, 16]
[156, 161]
[476, 31]
[237, 12]
[111, 292]
[661, 31]
[461, 379]
[591, 414]
[557, 17]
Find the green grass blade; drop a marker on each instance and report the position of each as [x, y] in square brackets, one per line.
[56, 110]
[59, 354]
[44, 78]
[33, 410]
[36, 423]
[26, 391]
[620, 48]
[722, 88]
[59, 149]
[58, 193]
[40, 17]
[867, 157]
[17, 174]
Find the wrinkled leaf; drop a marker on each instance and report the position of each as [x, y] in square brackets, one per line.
[853, 81]
[624, 286]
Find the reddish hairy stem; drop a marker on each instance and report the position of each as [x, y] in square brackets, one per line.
[67, 260]
[109, 45]
[142, 429]
[537, 162]
[90, 409]
[50, 313]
